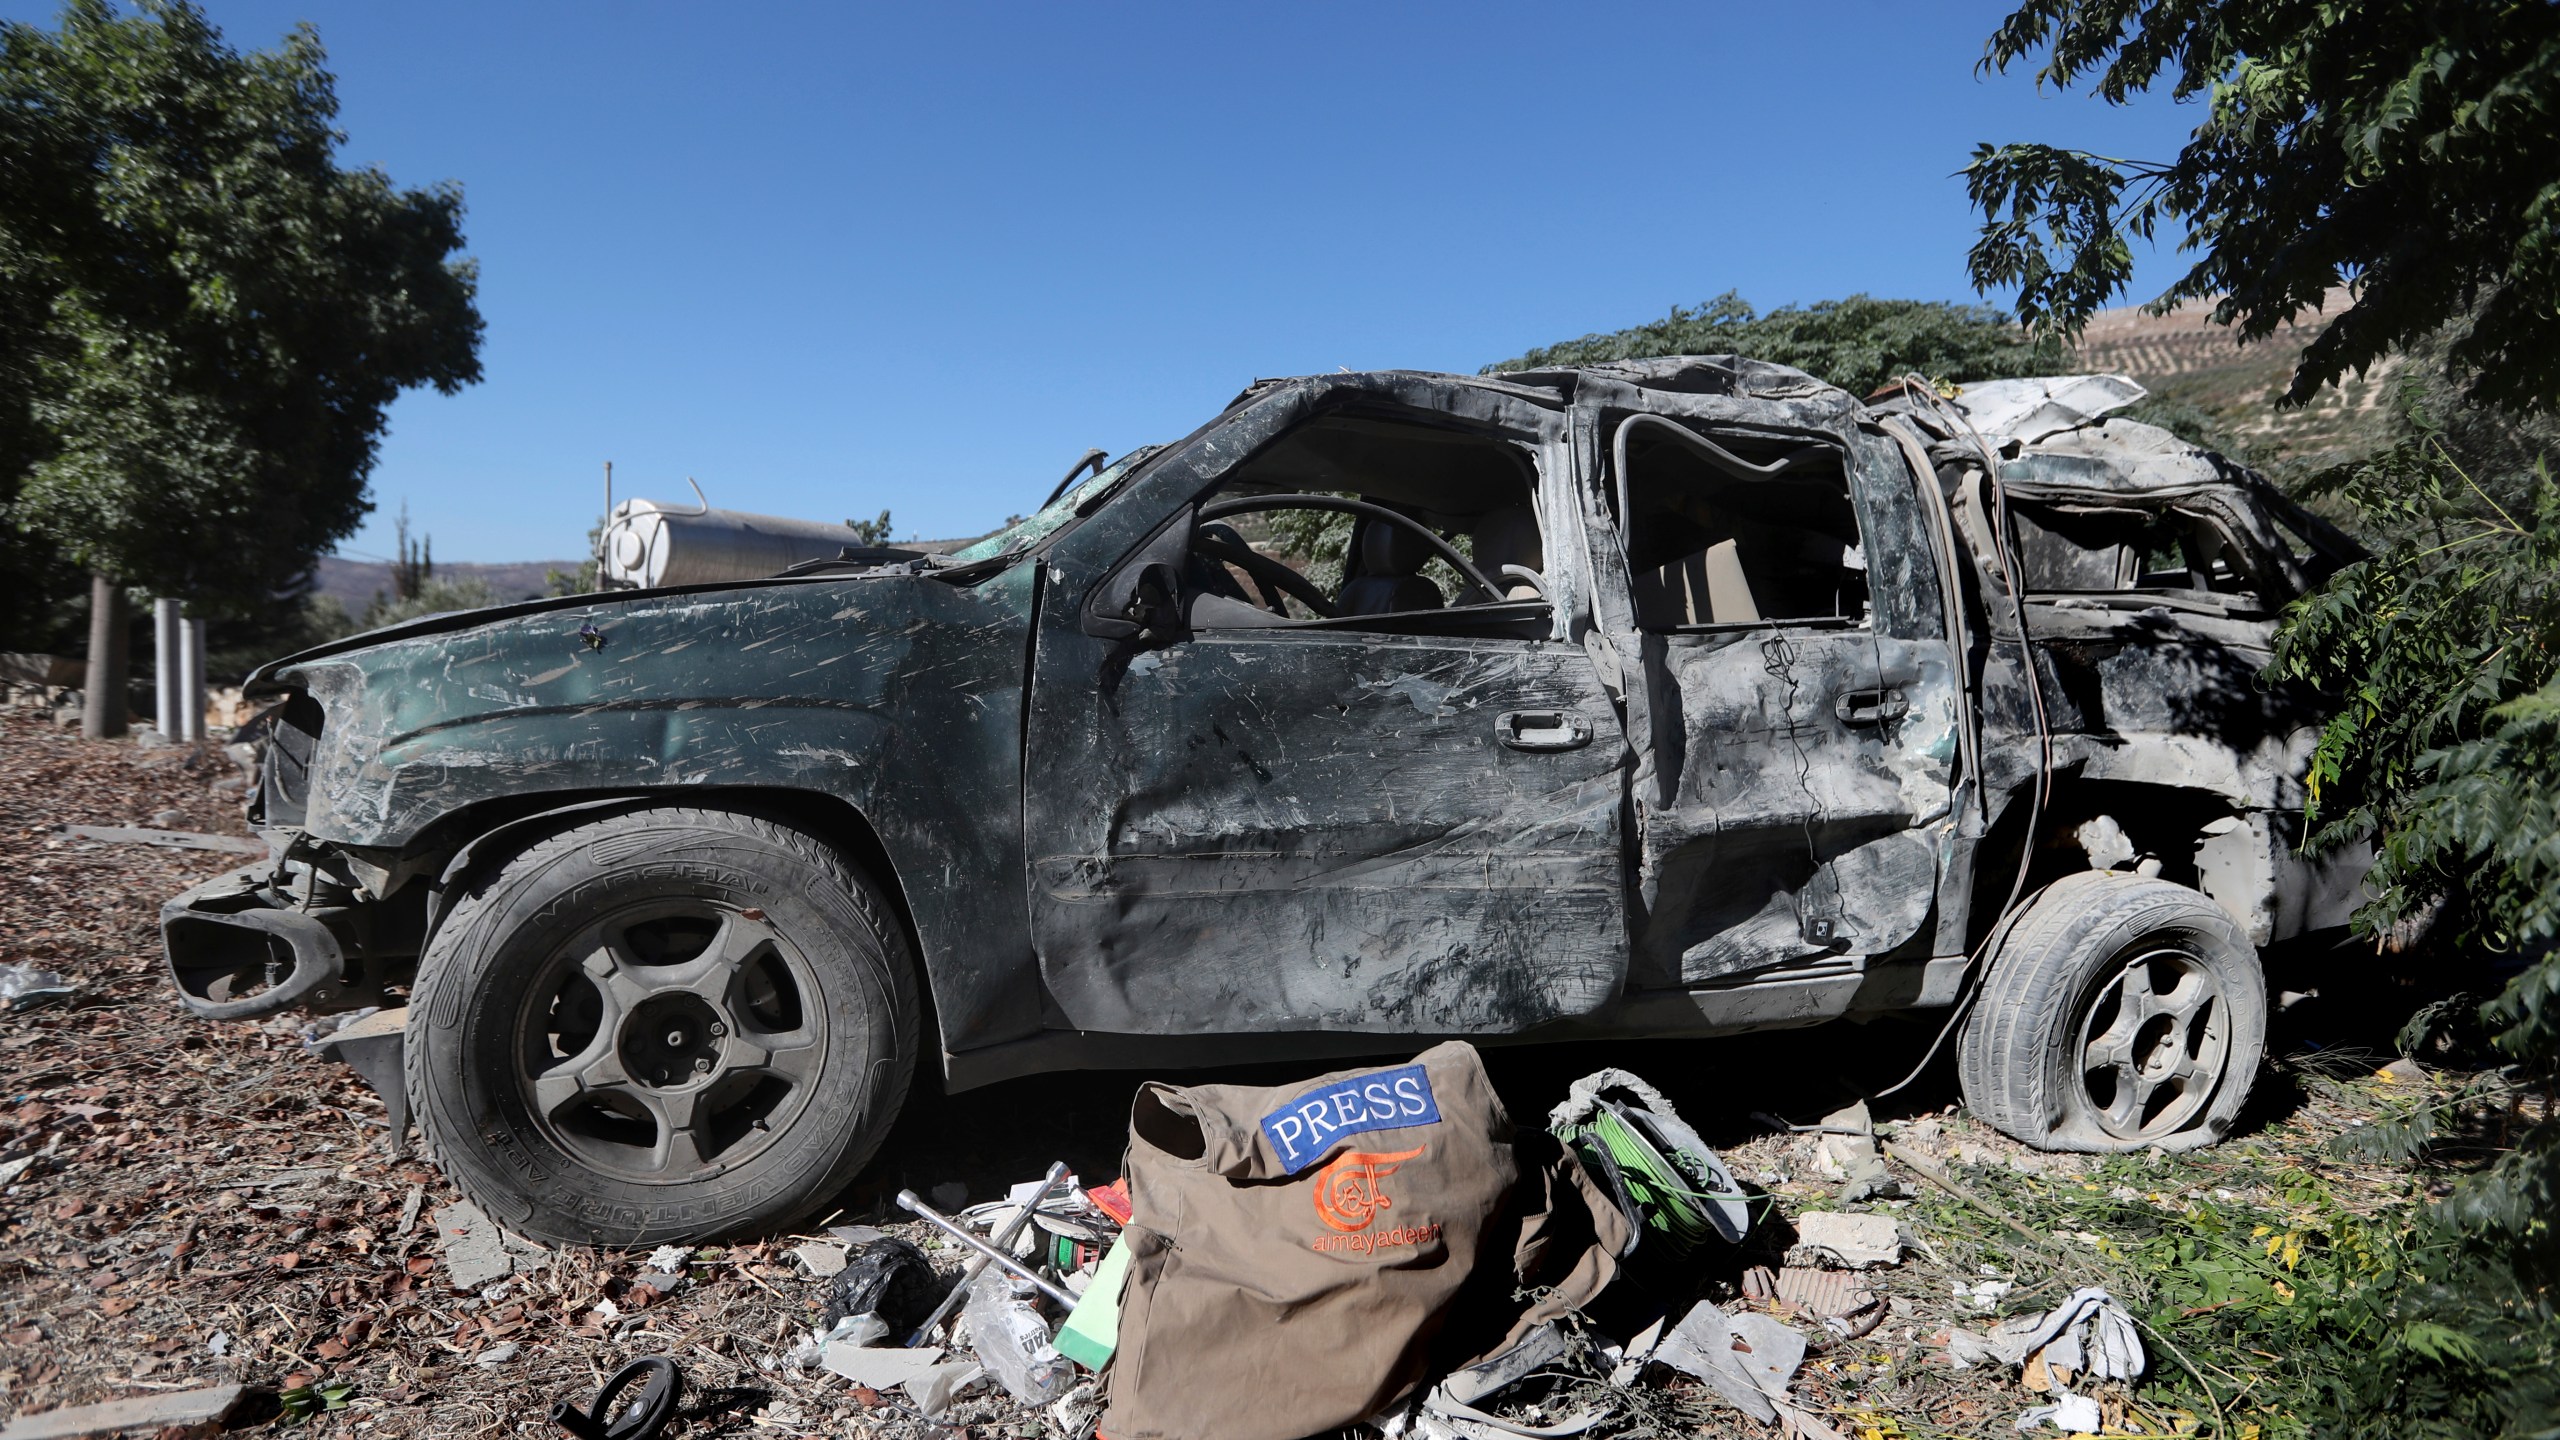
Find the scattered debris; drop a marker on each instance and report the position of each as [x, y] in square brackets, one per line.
[2088, 1334]
[210, 1405]
[1012, 1341]
[881, 1368]
[890, 1278]
[821, 1260]
[1748, 1358]
[474, 1252]
[1848, 1154]
[660, 1385]
[1838, 1238]
[498, 1354]
[24, 987]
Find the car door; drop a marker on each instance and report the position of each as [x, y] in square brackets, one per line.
[1798, 689]
[1399, 824]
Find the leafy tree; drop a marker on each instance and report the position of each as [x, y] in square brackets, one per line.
[205, 315]
[1858, 344]
[2409, 149]
[432, 597]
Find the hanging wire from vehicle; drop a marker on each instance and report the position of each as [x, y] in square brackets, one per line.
[2013, 573]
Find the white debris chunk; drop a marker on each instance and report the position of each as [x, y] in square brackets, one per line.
[1855, 1242]
[2073, 1414]
[820, 1259]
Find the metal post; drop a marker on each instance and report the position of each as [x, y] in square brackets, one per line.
[164, 675]
[103, 700]
[191, 682]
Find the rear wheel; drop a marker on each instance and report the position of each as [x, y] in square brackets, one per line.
[2119, 1013]
[662, 1025]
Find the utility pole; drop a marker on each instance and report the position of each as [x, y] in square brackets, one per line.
[103, 701]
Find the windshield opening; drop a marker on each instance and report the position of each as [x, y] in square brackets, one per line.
[1030, 530]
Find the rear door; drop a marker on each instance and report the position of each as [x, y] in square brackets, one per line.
[1397, 822]
[1798, 689]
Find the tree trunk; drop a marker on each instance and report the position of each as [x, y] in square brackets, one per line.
[103, 702]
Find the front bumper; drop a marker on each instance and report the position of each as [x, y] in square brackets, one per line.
[238, 948]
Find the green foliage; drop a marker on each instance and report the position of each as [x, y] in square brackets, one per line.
[2444, 653]
[876, 532]
[2409, 148]
[1858, 344]
[205, 316]
[583, 580]
[433, 597]
[2302, 1316]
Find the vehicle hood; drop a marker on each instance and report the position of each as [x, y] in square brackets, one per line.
[764, 683]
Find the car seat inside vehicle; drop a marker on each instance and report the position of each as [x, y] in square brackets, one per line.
[1741, 530]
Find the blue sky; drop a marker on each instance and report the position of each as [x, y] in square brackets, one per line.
[830, 259]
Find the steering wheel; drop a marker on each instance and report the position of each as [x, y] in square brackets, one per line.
[1269, 576]
[1250, 504]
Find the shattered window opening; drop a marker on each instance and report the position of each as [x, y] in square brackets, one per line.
[1305, 565]
[2079, 550]
[1711, 549]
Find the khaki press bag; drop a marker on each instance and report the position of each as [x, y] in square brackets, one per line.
[1293, 1249]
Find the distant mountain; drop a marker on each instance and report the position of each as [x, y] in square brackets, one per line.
[2182, 356]
[354, 583]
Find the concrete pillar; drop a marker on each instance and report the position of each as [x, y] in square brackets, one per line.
[103, 701]
[167, 639]
[191, 682]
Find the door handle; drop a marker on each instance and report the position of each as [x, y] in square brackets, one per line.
[1542, 730]
[1870, 707]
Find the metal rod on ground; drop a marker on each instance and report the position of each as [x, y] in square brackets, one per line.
[164, 677]
[907, 1201]
[1003, 1241]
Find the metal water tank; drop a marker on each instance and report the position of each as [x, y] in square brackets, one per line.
[651, 542]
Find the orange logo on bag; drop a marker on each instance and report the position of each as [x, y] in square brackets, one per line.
[1347, 1193]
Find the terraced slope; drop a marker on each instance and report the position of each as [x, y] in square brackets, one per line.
[2182, 356]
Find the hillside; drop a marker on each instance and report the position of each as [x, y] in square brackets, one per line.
[2182, 357]
[354, 583]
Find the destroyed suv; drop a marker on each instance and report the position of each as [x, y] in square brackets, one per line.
[1654, 698]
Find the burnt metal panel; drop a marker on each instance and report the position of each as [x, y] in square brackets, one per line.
[899, 695]
[1317, 829]
[1781, 816]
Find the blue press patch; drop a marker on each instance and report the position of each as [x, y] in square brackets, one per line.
[1302, 1130]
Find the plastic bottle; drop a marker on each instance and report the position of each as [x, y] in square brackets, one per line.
[1012, 1341]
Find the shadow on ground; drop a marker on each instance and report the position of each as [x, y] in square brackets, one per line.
[990, 1138]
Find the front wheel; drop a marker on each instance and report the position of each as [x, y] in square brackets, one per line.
[664, 1025]
[2119, 1013]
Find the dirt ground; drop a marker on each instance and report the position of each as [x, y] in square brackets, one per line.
[206, 1203]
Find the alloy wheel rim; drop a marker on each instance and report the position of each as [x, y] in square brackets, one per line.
[2154, 1036]
[670, 1041]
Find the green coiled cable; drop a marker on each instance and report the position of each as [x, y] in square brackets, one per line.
[1667, 1195]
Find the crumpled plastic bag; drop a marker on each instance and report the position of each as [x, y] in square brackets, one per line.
[888, 1277]
[2086, 1335]
[24, 987]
